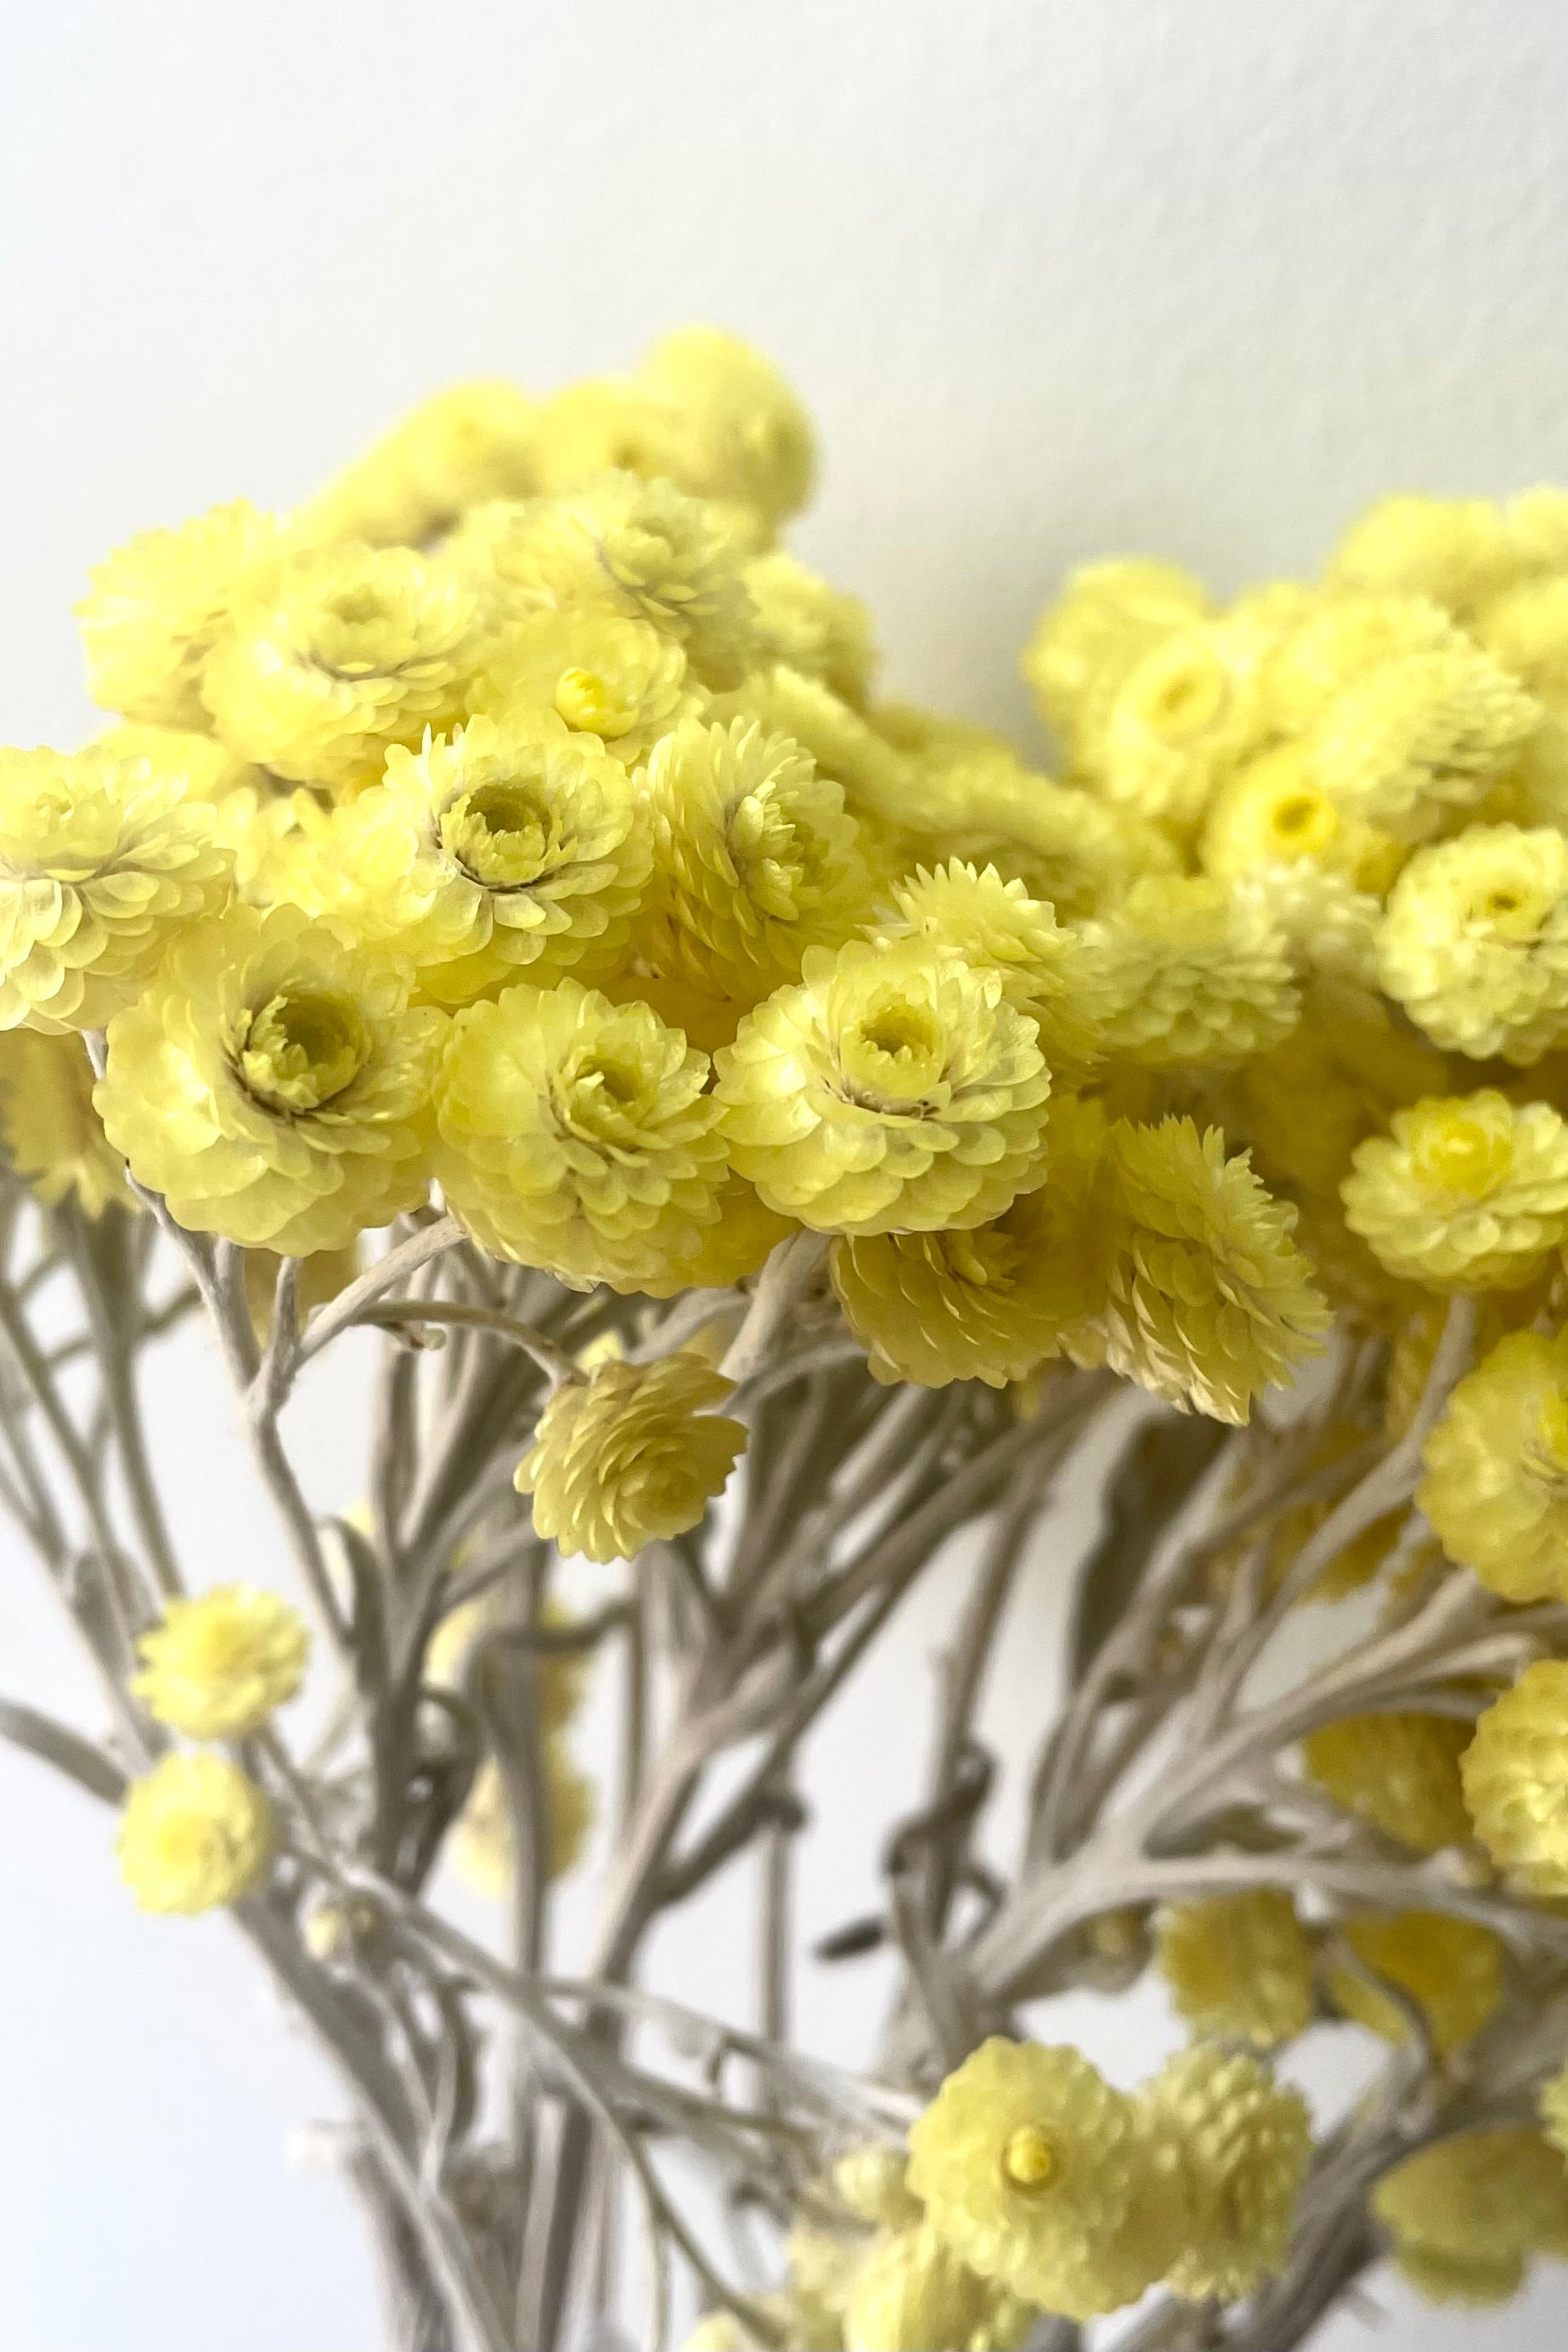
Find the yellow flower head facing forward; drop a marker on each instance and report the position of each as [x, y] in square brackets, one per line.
[1496, 1488]
[756, 860]
[501, 852]
[1469, 1192]
[484, 1847]
[1208, 1300]
[1179, 722]
[577, 1135]
[1515, 1774]
[593, 670]
[1061, 977]
[1240, 2144]
[1451, 1969]
[273, 1083]
[1239, 1966]
[103, 863]
[1275, 812]
[159, 604]
[895, 1088]
[471, 443]
[1475, 942]
[52, 1136]
[642, 548]
[1037, 2173]
[911, 2291]
[734, 432]
[1400, 1772]
[217, 1666]
[1107, 618]
[633, 1453]
[1478, 2197]
[347, 651]
[1202, 974]
[811, 626]
[196, 1834]
[985, 1302]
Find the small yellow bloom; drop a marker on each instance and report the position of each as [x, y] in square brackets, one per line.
[273, 1083]
[103, 863]
[1458, 552]
[593, 670]
[1515, 1774]
[196, 1832]
[576, 1135]
[1108, 617]
[1398, 1771]
[472, 442]
[1038, 2174]
[809, 626]
[340, 655]
[1242, 2144]
[756, 860]
[642, 548]
[1416, 739]
[989, 1302]
[1201, 972]
[1275, 812]
[895, 1088]
[1496, 1488]
[1469, 1192]
[1475, 942]
[912, 2292]
[1239, 1966]
[483, 1846]
[159, 604]
[218, 1666]
[1451, 1969]
[498, 852]
[1208, 1300]
[1478, 2198]
[736, 431]
[1181, 721]
[633, 1453]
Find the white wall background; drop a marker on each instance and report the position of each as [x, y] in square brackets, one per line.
[1058, 277]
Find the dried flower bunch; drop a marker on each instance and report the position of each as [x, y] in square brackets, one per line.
[774, 1130]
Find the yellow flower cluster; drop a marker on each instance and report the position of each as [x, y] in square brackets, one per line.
[196, 1830]
[518, 818]
[633, 1453]
[1239, 1966]
[1077, 2197]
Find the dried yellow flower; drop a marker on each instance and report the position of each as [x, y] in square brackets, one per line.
[894, 1088]
[196, 1834]
[1398, 1771]
[1515, 1774]
[219, 1665]
[1469, 1192]
[1239, 1966]
[1496, 1488]
[633, 1453]
[1451, 1969]
[1038, 2174]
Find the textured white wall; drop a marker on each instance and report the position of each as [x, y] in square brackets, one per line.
[1058, 277]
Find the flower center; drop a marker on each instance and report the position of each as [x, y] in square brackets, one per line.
[299, 1050]
[1028, 2160]
[590, 703]
[1463, 1156]
[501, 835]
[894, 1056]
[1510, 911]
[594, 1100]
[1304, 821]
